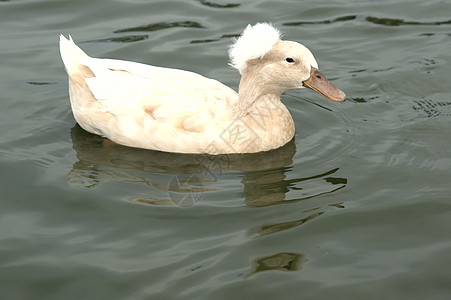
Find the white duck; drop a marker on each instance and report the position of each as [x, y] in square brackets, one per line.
[173, 110]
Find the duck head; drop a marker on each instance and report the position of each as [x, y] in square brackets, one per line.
[279, 65]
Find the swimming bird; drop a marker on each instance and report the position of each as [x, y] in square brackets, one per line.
[173, 110]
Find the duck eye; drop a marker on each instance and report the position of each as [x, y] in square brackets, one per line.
[289, 60]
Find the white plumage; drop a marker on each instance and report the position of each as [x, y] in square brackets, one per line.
[254, 42]
[180, 111]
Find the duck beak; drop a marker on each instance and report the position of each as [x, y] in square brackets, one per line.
[318, 82]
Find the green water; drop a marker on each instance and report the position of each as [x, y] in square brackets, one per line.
[356, 207]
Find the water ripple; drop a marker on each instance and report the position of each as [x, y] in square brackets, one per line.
[400, 22]
[371, 19]
[284, 261]
[217, 5]
[40, 82]
[161, 26]
[432, 108]
[123, 39]
[335, 20]
[224, 36]
[282, 226]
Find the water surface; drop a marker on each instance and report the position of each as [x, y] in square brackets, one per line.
[357, 206]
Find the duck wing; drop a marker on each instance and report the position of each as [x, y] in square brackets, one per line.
[146, 106]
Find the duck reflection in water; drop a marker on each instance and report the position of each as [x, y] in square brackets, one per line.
[284, 261]
[263, 174]
[186, 180]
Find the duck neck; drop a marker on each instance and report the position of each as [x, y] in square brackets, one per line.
[254, 94]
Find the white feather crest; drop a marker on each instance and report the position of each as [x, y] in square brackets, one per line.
[254, 42]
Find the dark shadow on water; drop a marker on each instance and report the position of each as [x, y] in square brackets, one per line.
[185, 179]
[278, 227]
[161, 26]
[330, 21]
[284, 261]
[40, 82]
[400, 22]
[224, 36]
[217, 5]
[122, 39]
[371, 19]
